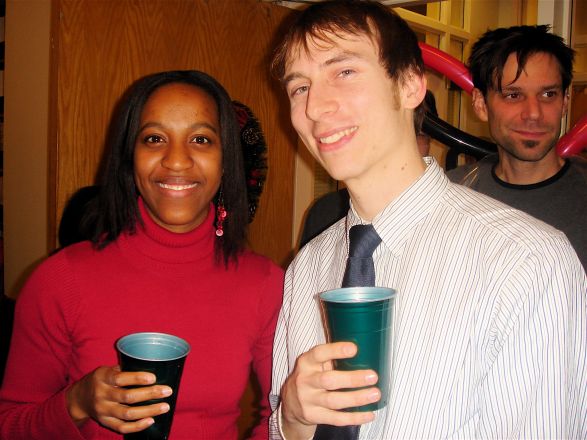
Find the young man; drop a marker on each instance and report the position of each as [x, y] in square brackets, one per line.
[490, 325]
[522, 76]
[333, 206]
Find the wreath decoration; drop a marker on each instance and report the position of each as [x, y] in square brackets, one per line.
[254, 154]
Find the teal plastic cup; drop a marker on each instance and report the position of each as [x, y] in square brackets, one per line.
[362, 315]
[164, 356]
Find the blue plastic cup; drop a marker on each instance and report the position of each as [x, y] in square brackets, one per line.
[362, 315]
[164, 356]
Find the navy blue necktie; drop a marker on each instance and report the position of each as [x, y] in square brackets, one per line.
[360, 271]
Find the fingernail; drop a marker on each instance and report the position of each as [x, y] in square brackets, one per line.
[164, 407]
[349, 349]
[368, 417]
[150, 422]
[166, 391]
[371, 378]
[150, 378]
[374, 396]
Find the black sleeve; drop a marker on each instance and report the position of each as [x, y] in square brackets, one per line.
[325, 211]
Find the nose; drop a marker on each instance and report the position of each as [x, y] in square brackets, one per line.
[532, 109]
[177, 157]
[321, 101]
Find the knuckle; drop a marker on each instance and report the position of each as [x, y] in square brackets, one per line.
[125, 428]
[326, 380]
[128, 397]
[302, 361]
[331, 400]
[160, 390]
[298, 380]
[116, 381]
[127, 413]
[318, 353]
[99, 409]
[105, 421]
[356, 380]
[94, 378]
[306, 415]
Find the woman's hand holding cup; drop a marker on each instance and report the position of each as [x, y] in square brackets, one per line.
[102, 396]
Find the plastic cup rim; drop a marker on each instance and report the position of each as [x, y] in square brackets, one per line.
[327, 294]
[153, 335]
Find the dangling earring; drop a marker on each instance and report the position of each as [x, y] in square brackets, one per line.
[220, 214]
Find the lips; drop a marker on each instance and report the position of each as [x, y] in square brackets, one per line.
[531, 133]
[337, 136]
[177, 187]
[177, 184]
[532, 130]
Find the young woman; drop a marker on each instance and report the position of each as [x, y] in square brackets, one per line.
[167, 256]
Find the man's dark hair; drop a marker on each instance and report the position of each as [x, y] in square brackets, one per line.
[399, 52]
[116, 209]
[490, 53]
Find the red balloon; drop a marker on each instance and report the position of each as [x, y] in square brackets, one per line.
[575, 140]
[568, 145]
[448, 65]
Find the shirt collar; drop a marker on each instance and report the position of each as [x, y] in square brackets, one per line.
[398, 219]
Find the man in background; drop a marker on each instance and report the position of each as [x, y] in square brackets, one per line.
[522, 76]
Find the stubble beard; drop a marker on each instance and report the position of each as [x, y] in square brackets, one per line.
[528, 150]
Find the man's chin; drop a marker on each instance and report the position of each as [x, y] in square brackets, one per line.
[529, 150]
[528, 144]
[337, 170]
[531, 155]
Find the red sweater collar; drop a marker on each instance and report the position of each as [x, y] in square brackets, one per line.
[158, 243]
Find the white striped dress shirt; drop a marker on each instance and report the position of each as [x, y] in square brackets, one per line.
[490, 321]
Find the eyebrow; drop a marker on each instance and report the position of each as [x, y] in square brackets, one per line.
[338, 58]
[194, 126]
[511, 88]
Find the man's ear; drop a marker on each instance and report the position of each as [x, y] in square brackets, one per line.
[479, 105]
[413, 90]
[565, 102]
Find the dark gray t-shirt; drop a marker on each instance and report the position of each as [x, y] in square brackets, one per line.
[560, 201]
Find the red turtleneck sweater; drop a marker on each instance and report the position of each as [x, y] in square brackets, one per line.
[80, 301]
